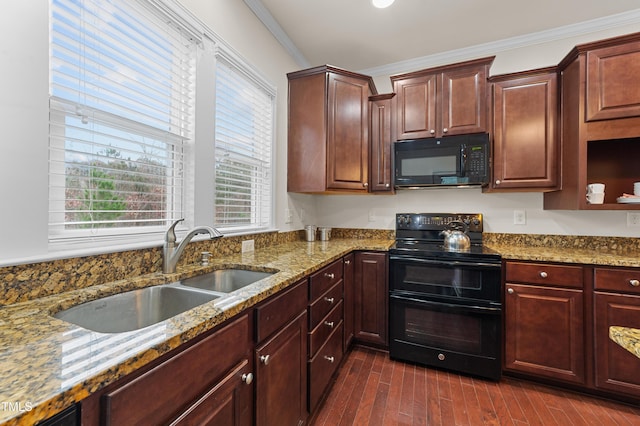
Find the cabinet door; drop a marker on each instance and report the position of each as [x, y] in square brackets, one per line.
[544, 332]
[525, 149]
[281, 376]
[348, 299]
[380, 131]
[228, 403]
[347, 133]
[416, 107]
[612, 82]
[371, 298]
[464, 101]
[617, 369]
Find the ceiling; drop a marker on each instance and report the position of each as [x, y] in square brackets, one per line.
[352, 34]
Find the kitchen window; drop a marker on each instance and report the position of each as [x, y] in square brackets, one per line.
[243, 154]
[121, 114]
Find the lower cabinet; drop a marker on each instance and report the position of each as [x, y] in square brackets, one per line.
[616, 303]
[371, 288]
[281, 358]
[210, 382]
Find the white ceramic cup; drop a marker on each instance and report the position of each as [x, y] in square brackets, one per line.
[636, 188]
[595, 188]
[595, 198]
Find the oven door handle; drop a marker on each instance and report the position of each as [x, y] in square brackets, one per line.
[444, 262]
[451, 306]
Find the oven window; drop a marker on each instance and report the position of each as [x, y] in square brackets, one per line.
[444, 330]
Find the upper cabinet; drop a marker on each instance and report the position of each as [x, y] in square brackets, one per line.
[600, 122]
[328, 137]
[380, 167]
[447, 100]
[524, 128]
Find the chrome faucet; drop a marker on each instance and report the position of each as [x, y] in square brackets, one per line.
[171, 253]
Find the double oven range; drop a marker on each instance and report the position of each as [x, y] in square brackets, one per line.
[444, 306]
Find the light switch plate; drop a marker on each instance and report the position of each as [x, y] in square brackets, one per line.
[519, 217]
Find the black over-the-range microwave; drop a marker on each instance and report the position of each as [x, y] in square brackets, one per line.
[459, 160]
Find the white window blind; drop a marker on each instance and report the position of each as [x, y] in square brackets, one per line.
[121, 101]
[244, 137]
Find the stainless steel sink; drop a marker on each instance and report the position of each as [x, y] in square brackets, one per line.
[134, 309]
[225, 280]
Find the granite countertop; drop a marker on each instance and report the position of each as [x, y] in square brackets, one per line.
[627, 337]
[47, 364]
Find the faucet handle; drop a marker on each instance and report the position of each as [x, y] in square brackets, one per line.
[170, 236]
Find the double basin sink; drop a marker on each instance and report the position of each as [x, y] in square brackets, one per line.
[141, 308]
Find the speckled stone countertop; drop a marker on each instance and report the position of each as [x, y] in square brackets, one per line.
[47, 364]
[628, 338]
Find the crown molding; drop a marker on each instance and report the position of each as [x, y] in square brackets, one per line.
[485, 49]
[257, 7]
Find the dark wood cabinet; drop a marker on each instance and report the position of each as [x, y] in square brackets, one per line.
[600, 123]
[328, 135]
[544, 321]
[613, 82]
[525, 133]
[326, 328]
[215, 383]
[371, 284]
[447, 100]
[281, 358]
[380, 167]
[616, 303]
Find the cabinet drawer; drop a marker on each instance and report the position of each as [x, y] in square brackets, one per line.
[319, 335]
[621, 280]
[326, 277]
[280, 310]
[546, 274]
[323, 365]
[162, 393]
[320, 308]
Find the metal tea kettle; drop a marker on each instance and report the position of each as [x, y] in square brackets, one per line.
[455, 239]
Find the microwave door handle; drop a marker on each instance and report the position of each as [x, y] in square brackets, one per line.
[463, 160]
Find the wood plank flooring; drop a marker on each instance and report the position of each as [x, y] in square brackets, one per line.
[371, 389]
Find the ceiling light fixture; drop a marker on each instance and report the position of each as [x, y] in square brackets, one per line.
[381, 4]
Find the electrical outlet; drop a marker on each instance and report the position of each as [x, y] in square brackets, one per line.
[247, 245]
[519, 217]
[633, 219]
[372, 216]
[288, 216]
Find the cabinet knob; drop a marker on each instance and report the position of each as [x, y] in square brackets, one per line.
[386, 185]
[634, 283]
[264, 359]
[432, 131]
[247, 378]
[329, 358]
[365, 184]
[498, 181]
[445, 130]
[510, 291]
[329, 324]
[347, 262]
[328, 299]
[330, 276]
[441, 357]
[543, 274]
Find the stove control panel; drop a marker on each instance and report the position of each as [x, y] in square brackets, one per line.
[438, 221]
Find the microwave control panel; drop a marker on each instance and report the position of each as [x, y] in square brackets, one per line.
[477, 163]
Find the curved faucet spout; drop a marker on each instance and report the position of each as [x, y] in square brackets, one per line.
[171, 254]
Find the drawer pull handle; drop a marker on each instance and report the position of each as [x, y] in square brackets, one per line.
[634, 283]
[264, 359]
[330, 276]
[247, 378]
[328, 324]
[510, 291]
[543, 274]
[329, 299]
[329, 358]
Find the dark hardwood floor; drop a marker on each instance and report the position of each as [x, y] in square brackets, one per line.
[371, 389]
